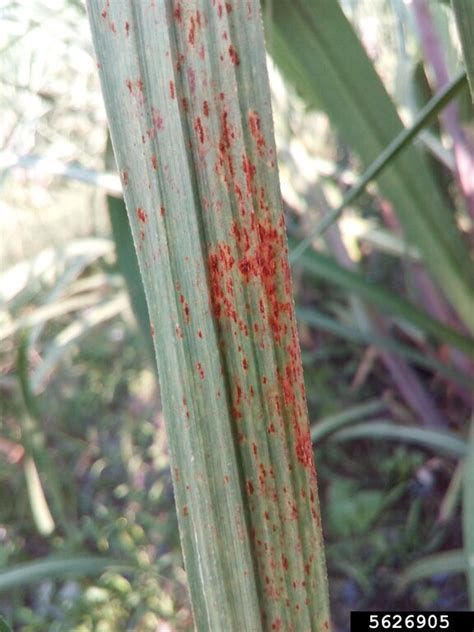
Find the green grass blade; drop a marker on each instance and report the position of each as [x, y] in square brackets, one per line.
[330, 424]
[335, 73]
[468, 515]
[326, 268]
[402, 140]
[464, 11]
[128, 265]
[452, 497]
[439, 564]
[54, 567]
[188, 103]
[431, 439]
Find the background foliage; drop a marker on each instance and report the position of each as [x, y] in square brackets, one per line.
[87, 522]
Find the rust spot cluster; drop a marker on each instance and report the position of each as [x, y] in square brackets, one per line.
[200, 370]
[199, 129]
[256, 132]
[234, 57]
[185, 307]
[255, 255]
[223, 6]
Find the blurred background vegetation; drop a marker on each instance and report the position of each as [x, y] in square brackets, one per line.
[88, 529]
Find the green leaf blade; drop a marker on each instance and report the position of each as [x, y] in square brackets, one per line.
[446, 562]
[56, 567]
[188, 103]
[431, 439]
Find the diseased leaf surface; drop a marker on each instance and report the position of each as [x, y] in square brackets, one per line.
[188, 103]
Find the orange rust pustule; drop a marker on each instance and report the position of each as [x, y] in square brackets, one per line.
[158, 124]
[177, 13]
[234, 57]
[200, 370]
[220, 263]
[185, 306]
[142, 216]
[304, 450]
[198, 128]
[192, 31]
[195, 23]
[250, 170]
[254, 124]
[225, 164]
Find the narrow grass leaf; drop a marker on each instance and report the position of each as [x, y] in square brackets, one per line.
[330, 424]
[128, 265]
[452, 496]
[428, 567]
[57, 568]
[430, 439]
